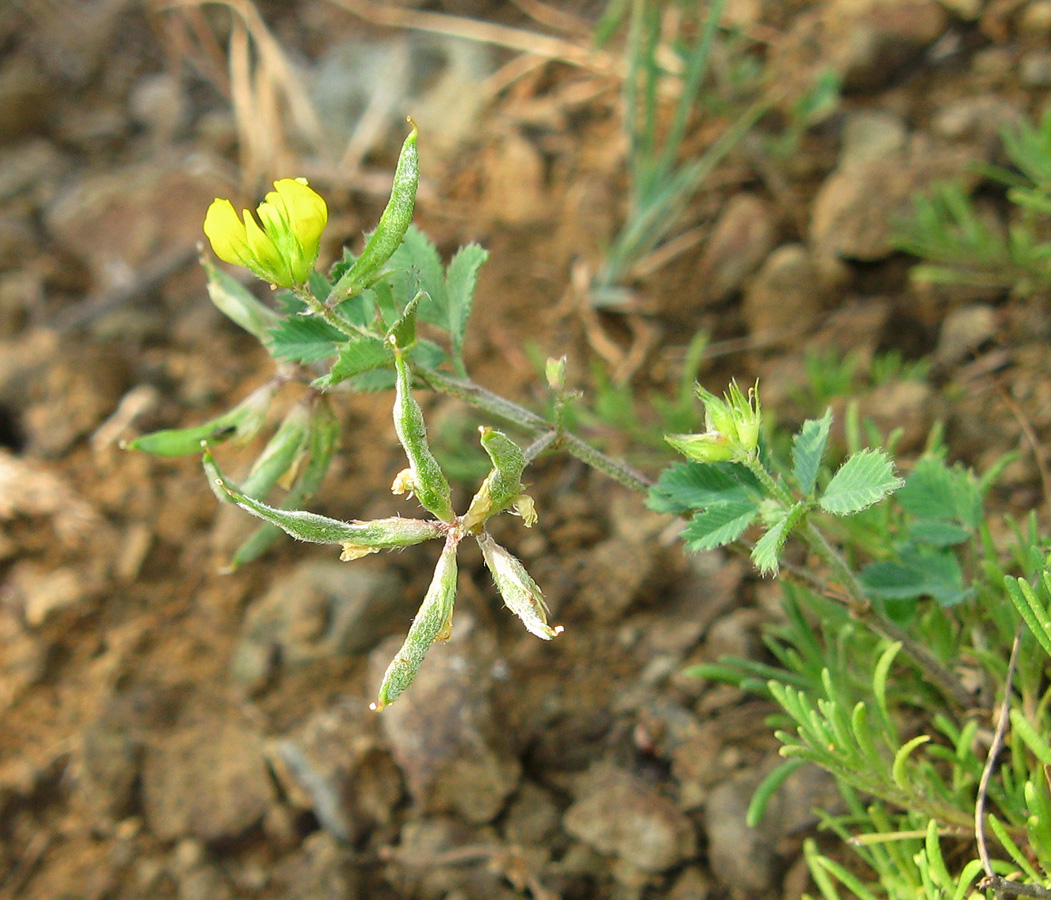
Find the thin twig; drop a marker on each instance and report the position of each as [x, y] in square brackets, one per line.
[484, 32]
[992, 881]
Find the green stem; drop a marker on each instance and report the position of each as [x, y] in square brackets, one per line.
[862, 609]
[329, 315]
[858, 602]
[533, 424]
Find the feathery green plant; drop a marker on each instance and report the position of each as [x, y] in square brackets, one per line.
[962, 246]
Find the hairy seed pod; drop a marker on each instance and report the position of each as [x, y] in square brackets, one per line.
[503, 485]
[393, 224]
[242, 422]
[433, 622]
[428, 482]
[521, 594]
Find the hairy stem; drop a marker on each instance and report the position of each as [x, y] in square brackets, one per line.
[551, 436]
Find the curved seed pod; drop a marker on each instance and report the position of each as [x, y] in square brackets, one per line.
[503, 485]
[393, 224]
[242, 422]
[519, 591]
[433, 622]
[321, 445]
[280, 453]
[428, 481]
[380, 534]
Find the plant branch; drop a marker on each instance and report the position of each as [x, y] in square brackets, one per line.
[533, 424]
[862, 609]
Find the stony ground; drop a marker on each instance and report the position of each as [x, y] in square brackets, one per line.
[172, 732]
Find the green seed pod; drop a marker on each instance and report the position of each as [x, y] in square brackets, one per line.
[428, 481]
[321, 445]
[521, 594]
[433, 622]
[242, 422]
[390, 231]
[280, 454]
[237, 303]
[381, 534]
[503, 485]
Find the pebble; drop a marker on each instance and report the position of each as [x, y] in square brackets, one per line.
[1035, 20]
[963, 331]
[856, 208]
[869, 135]
[1034, 69]
[741, 238]
[618, 814]
[320, 870]
[320, 609]
[207, 779]
[336, 759]
[785, 296]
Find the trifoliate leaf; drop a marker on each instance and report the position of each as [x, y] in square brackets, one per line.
[865, 478]
[718, 525]
[807, 449]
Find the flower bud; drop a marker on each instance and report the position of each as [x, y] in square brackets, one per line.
[521, 594]
[708, 447]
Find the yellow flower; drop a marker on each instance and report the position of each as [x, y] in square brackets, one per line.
[284, 249]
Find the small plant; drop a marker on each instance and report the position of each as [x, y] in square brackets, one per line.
[905, 625]
[661, 184]
[963, 246]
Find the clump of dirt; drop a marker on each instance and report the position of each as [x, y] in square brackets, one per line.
[173, 732]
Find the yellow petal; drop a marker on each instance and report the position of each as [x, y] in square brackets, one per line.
[268, 262]
[226, 233]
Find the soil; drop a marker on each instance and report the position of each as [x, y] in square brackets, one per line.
[170, 731]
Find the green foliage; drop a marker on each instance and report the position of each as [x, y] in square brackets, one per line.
[963, 246]
[661, 184]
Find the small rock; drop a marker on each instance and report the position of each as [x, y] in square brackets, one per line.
[620, 815]
[613, 577]
[120, 220]
[870, 135]
[158, 102]
[968, 10]
[337, 760]
[741, 857]
[785, 296]
[736, 635]
[70, 398]
[320, 609]
[873, 41]
[444, 732]
[41, 592]
[978, 117]
[963, 331]
[908, 405]
[692, 884]
[856, 208]
[532, 817]
[1036, 19]
[207, 779]
[24, 95]
[321, 870]
[742, 237]
[34, 166]
[23, 662]
[1034, 69]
